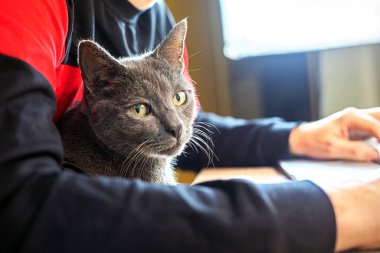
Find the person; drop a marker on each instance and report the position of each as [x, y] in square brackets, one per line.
[46, 209]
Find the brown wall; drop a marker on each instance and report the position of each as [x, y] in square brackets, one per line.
[208, 67]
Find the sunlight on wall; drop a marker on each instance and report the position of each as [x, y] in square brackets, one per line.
[349, 77]
[255, 27]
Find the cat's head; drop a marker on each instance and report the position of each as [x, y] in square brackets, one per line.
[139, 103]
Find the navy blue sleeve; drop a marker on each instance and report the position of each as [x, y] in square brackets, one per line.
[44, 209]
[237, 142]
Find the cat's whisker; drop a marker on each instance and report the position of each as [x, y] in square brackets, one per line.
[205, 150]
[197, 69]
[126, 160]
[194, 82]
[133, 152]
[198, 52]
[132, 163]
[144, 162]
[206, 123]
[137, 164]
[131, 158]
[206, 140]
[201, 141]
[192, 146]
[185, 153]
[199, 127]
[198, 140]
[210, 125]
[205, 135]
[143, 158]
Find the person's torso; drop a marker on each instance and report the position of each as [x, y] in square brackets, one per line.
[116, 25]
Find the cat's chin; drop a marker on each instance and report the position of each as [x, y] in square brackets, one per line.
[172, 151]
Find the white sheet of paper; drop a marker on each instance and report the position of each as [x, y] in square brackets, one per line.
[327, 172]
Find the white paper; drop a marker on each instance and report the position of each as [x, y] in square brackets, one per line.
[327, 172]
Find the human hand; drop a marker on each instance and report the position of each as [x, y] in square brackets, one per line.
[333, 137]
[357, 207]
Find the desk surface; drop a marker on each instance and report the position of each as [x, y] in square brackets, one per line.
[257, 174]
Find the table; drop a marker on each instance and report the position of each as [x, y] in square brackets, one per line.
[257, 174]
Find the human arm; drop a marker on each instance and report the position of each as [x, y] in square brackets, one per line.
[239, 142]
[48, 210]
[356, 205]
[44, 209]
[263, 142]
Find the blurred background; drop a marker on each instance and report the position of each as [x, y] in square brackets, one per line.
[298, 59]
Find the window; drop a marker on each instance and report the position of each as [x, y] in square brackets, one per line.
[264, 27]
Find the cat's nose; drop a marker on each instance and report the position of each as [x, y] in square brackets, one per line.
[174, 131]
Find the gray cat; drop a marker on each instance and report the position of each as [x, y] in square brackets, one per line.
[136, 115]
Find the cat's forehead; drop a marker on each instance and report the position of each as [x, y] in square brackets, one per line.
[152, 75]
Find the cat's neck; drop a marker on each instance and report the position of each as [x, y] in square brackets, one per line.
[150, 169]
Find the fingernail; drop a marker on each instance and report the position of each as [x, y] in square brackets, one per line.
[376, 149]
[373, 153]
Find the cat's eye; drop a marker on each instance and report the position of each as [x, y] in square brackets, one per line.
[141, 110]
[179, 98]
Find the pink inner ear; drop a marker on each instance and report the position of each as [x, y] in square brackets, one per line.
[187, 77]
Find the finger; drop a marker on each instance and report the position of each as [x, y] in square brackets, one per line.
[374, 112]
[363, 122]
[353, 150]
[359, 135]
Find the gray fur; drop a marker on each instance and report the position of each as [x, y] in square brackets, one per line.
[102, 135]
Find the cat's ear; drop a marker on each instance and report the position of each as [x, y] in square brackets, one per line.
[171, 49]
[95, 62]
